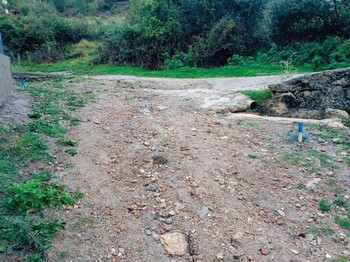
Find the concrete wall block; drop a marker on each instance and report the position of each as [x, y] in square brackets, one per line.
[6, 81]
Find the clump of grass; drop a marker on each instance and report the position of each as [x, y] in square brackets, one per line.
[322, 231]
[64, 142]
[324, 206]
[50, 129]
[343, 222]
[346, 121]
[71, 151]
[252, 156]
[34, 195]
[340, 201]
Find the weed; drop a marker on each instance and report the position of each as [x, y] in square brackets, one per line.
[322, 231]
[31, 147]
[343, 259]
[323, 206]
[340, 201]
[347, 160]
[325, 160]
[68, 165]
[50, 129]
[64, 142]
[346, 121]
[28, 233]
[343, 222]
[72, 151]
[300, 186]
[253, 156]
[35, 195]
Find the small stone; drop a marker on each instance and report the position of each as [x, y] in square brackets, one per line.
[162, 205]
[295, 251]
[309, 237]
[279, 221]
[121, 250]
[281, 213]
[97, 122]
[205, 211]
[169, 221]
[174, 243]
[264, 251]
[328, 256]
[237, 238]
[303, 208]
[146, 143]
[220, 256]
[310, 220]
[313, 242]
[155, 236]
[172, 213]
[156, 194]
[148, 232]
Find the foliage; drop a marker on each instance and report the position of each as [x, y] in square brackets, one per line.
[35, 195]
[324, 206]
[28, 233]
[26, 192]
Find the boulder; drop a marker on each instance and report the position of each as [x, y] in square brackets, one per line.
[335, 113]
[310, 95]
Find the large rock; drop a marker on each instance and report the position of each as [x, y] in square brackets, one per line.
[174, 243]
[310, 95]
[335, 113]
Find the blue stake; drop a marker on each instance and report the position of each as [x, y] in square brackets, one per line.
[300, 136]
[21, 81]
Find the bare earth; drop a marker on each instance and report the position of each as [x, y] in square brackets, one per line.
[153, 159]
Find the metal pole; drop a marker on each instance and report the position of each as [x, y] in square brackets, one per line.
[1, 46]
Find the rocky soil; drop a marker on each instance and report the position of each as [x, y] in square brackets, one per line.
[167, 179]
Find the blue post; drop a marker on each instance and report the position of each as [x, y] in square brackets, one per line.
[21, 81]
[300, 136]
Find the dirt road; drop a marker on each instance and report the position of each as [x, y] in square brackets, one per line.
[153, 160]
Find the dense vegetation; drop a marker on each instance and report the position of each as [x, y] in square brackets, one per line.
[170, 34]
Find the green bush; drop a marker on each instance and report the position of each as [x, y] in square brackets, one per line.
[34, 195]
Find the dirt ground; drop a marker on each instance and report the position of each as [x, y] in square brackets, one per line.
[152, 158]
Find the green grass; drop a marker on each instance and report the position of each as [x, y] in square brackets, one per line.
[343, 259]
[26, 184]
[323, 206]
[253, 156]
[82, 66]
[322, 231]
[71, 151]
[343, 222]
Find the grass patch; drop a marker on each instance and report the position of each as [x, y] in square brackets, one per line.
[325, 160]
[253, 156]
[25, 194]
[72, 151]
[34, 195]
[64, 142]
[324, 206]
[83, 66]
[322, 231]
[343, 259]
[343, 222]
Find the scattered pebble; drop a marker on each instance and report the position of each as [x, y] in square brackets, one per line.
[264, 251]
[205, 211]
[169, 221]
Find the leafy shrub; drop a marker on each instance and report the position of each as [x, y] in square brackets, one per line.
[35, 195]
[324, 206]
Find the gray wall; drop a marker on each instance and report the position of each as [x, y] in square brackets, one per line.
[6, 81]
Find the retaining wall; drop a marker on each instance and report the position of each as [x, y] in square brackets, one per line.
[6, 81]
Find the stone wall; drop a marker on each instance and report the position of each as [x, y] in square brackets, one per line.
[6, 81]
[310, 96]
